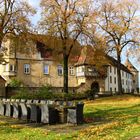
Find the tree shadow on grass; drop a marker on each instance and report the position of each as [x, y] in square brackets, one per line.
[6, 127]
[98, 116]
[105, 115]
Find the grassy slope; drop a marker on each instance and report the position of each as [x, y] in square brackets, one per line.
[111, 118]
[117, 118]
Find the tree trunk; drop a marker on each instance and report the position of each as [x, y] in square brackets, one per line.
[1, 52]
[65, 86]
[1, 37]
[1, 42]
[119, 74]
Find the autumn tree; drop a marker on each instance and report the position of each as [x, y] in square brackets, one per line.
[64, 19]
[118, 23]
[14, 17]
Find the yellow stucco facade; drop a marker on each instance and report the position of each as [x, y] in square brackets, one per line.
[15, 63]
[34, 70]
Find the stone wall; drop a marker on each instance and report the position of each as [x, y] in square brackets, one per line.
[10, 91]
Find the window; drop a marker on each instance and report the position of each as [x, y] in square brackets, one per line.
[111, 89]
[71, 70]
[110, 79]
[60, 70]
[122, 81]
[115, 80]
[115, 89]
[122, 73]
[12, 68]
[80, 69]
[90, 69]
[126, 82]
[27, 68]
[114, 70]
[110, 69]
[46, 69]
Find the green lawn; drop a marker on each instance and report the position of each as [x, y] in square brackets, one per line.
[110, 118]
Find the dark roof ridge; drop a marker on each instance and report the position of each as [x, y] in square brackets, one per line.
[115, 62]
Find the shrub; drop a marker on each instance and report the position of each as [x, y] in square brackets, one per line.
[44, 92]
[59, 96]
[69, 96]
[15, 83]
[81, 95]
[90, 94]
[23, 93]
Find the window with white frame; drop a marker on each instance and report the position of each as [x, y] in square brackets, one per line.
[122, 73]
[83, 69]
[114, 70]
[110, 79]
[115, 80]
[27, 68]
[71, 70]
[80, 69]
[122, 81]
[128, 83]
[46, 69]
[60, 70]
[110, 69]
[89, 69]
[12, 68]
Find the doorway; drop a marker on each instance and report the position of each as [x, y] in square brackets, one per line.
[95, 87]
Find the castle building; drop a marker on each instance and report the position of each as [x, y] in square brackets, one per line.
[35, 66]
[135, 75]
